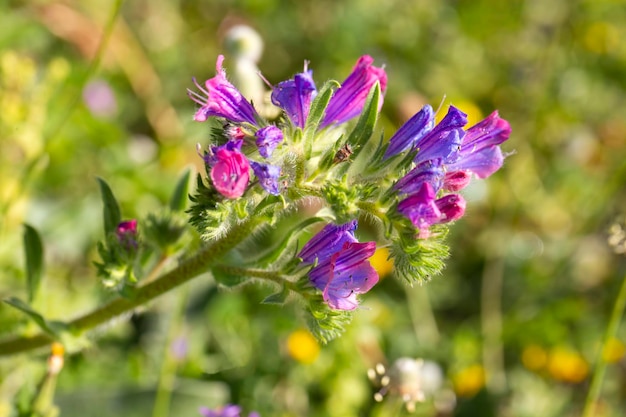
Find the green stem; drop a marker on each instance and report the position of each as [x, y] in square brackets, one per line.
[273, 276]
[187, 270]
[600, 367]
[167, 375]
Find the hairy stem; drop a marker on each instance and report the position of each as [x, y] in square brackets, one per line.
[188, 269]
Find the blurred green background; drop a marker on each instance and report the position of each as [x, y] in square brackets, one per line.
[514, 322]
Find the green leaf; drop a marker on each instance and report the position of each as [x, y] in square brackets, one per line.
[223, 276]
[278, 298]
[111, 210]
[364, 128]
[178, 202]
[271, 257]
[316, 114]
[33, 249]
[53, 328]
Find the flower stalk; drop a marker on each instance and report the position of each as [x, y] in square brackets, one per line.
[187, 270]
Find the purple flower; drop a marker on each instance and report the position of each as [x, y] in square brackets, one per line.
[268, 176]
[228, 410]
[444, 140]
[230, 169]
[267, 139]
[343, 270]
[294, 96]
[479, 152]
[411, 132]
[221, 99]
[346, 274]
[431, 171]
[100, 99]
[126, 233]
[424, 208]
[328, 241]
[349, 100]
[421, 208]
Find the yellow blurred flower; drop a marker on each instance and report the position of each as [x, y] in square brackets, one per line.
[381, 263]
[601, 38]
[534, 357]
[474, 115]
[567, 365]
[613, 351]
[302, 346]
[469, 381]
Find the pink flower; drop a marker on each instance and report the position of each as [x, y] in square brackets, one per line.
[230, 172]
[222, 99]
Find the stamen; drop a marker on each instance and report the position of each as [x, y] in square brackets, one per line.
[206, 92]
[201, 100]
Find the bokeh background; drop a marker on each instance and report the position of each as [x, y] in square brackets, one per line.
[515, 321]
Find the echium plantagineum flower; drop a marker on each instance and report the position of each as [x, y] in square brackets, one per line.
[294, 96]
[342, 270]
[126, 233]
[349, 100]
[230, 169]
[447, 157]
[222, 99]
[228, 164]
[228, 410]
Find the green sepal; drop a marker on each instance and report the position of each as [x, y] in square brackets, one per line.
[178, 201]
[111, 213]
[53, 328]
[33, 251]
[279, 298]
[418, 260]
[316, 114]
[325, 323]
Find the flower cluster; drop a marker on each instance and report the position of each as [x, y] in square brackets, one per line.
[447, 156]
[229, 166]
[312, 152]
[341, 268]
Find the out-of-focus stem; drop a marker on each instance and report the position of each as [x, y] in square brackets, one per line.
[600, 366]
[422, 316]
[491, 323]
[167, 375]
[187, 270]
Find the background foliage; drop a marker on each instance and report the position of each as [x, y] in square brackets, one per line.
[516, 319]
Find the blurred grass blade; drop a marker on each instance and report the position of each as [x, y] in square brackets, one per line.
[178, 202]
[33, 250]
[111, 210]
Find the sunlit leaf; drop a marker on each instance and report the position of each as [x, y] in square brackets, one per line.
[33, 249]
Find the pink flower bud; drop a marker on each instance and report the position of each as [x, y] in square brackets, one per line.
[230, 173]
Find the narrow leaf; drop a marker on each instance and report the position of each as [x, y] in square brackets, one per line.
[33, 250]
[52, 328]
[367, 121]
[178, 202]
[111, 210]
[278, 298]
[317, 111]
